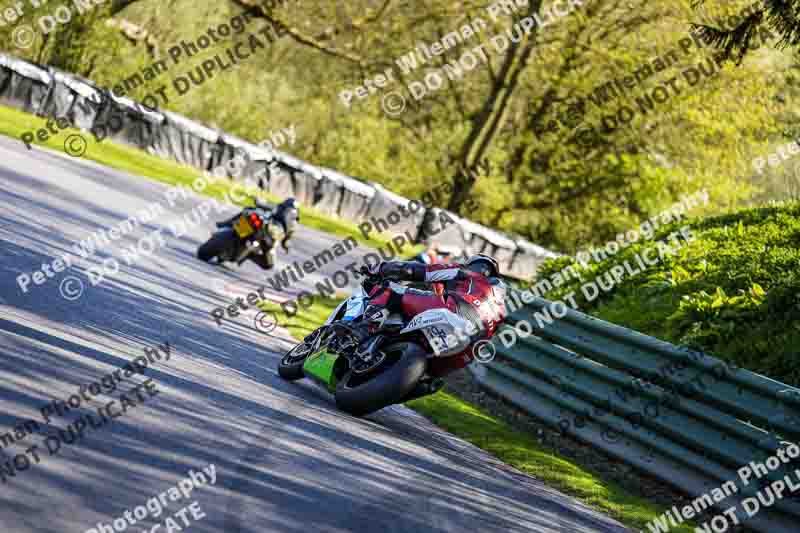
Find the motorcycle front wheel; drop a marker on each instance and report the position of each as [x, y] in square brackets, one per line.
[291, 366]
[404, 365]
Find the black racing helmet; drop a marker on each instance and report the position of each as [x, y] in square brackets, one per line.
[483, 264]
[289, 203]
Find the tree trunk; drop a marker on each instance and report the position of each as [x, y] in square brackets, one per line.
[490, 120]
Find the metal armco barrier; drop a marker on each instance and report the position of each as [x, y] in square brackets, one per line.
[47, 92]
[680, 415]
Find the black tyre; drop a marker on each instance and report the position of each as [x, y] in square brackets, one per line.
[396, 378]
[215, 246]
[291, 366]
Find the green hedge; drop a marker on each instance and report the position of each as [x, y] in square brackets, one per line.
[734, 291]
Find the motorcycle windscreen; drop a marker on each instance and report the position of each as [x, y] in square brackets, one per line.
[355, 308]
[319, 367]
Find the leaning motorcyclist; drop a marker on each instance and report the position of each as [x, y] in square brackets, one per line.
[287, 214]
[472, 290]
[281, 227]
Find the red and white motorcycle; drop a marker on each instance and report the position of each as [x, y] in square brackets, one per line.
[368, 368]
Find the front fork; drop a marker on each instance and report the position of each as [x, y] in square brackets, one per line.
[248, 248]
[254, 245]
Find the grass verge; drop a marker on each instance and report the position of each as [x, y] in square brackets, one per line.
[522, 451]
[14, 123]
[306, 319]
[515, 448]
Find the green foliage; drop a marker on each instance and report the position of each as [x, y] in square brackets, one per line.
[780, 16]
[14, 123]
[537, 183]
[734, 291]
[708, 318]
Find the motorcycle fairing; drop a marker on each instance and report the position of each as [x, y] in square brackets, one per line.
[354, 306]
[319, 367]
[447, 333]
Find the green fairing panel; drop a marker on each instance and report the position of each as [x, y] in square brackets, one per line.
[319, 367]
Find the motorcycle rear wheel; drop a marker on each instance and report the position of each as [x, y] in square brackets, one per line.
[405, 364]
[219, 243]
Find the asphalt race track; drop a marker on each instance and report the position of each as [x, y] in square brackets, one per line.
[285, 459]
